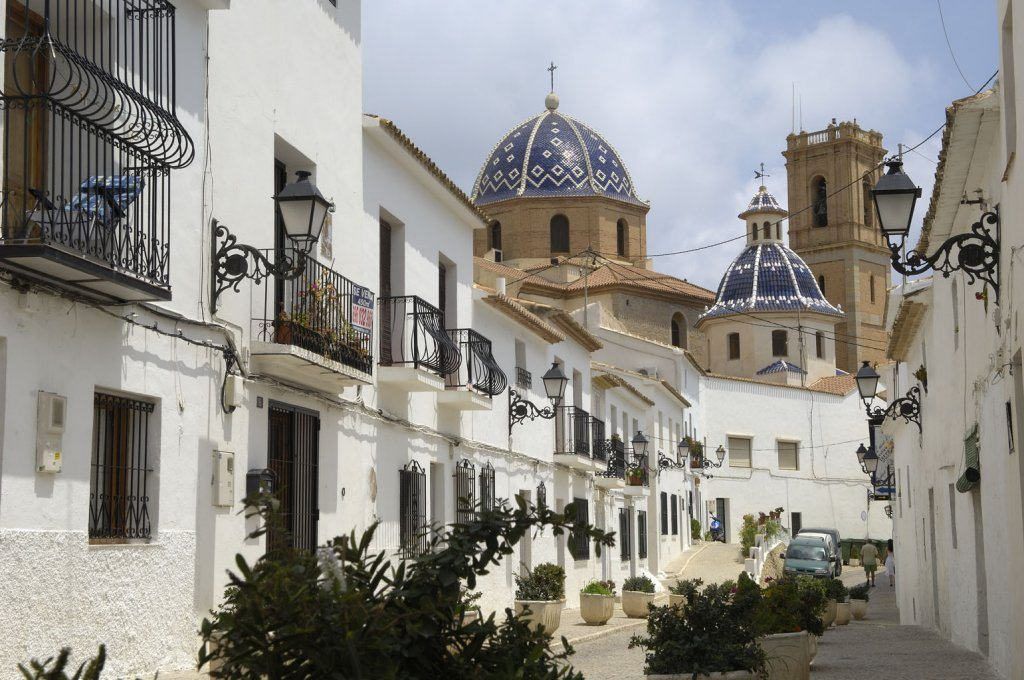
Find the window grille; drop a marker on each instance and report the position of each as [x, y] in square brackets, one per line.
[413, 509]
[664, 514]
[641, 534]
[624, 531]
[487, 487]
[119, 489]
[675, 515]
[293, 455]
[579, 542]
[465, 499]
[542, 495]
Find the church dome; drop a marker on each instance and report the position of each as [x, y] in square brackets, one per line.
[553, 155]
[768, 277]
[763, 202]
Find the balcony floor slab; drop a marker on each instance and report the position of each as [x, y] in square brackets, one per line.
[300, 366]
[464, 399]
[409, 378]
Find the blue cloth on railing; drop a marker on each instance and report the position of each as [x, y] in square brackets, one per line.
[107, 198]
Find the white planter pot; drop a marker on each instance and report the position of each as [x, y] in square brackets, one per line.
[788, 655]
[727, 675]
[842, 613]
[634, 603]
[812, 646]
[829, 616]
[596, 609]
[547, 613]
[859, 609]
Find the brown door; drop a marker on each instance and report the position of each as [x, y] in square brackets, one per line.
[293, 456]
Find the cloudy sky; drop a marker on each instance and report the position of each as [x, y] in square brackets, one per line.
[692, 94]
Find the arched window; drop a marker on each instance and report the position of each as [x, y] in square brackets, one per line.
[780, 343]
[821, 283]
[753, 231]
[733, 340]
[767, 230]
[622, 237]
[496, 235]
[819, 201]
[819, 344]
[679, 330]
[778, 230]
[559, 234]
[869, 207]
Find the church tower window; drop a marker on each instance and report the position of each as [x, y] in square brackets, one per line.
[496, 235]
[767, 230]
[819, 344]
[821, 283]
[622, 237]
[780, 343]
[559, 234]
[678, 330]
[819, 196]
[734, 345]
[753, 231]
[869, 213]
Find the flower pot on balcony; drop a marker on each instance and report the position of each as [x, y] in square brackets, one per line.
[634, 603]
[596, 609]
[828, 617]
[788, 655]
[634, 479]
[547, 613]
[859, 608]
[842, 613]
[283, 332]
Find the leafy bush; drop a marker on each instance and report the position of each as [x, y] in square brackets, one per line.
[89, 669]
[769, 525]
[686, 587]
[695, 528]
[790, 605]
[348, 612]
[713, 633]
[638, 583]
[546, 582]
[860, 592]
[835, 590]
[748, 532]
[599, 588]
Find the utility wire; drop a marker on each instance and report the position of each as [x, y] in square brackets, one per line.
[938, 3]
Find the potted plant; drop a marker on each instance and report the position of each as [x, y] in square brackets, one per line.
[540, 596]
[695, 528]
[837, 593]
[637, 593]
[635, 476]
[859, 601]
[787, 626]
[597, 602]
[711, 637]
[681, 591]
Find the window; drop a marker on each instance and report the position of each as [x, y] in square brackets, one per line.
[664, 514]
[487, 487]
[384, 285]
[465, 498]
[293, 456]
[739, 452]
[767, 230]
[496, 235]
[821, 283]
[412, 519]
[621, 238]
[119, 482]
[579, 542]
[819, 344]
[559, 234]
[641, 534]
[778, 230]
[542, 495]
[869, 213]
[675, 515]
[788, 456]
[678, 330]
[753, 231]
[624, 534]
[734, 345]
[795, 522]
[780, 343]
[819, 201]
[871, 287]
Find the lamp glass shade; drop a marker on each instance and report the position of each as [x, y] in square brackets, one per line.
[895, 195]
[720, 452]
[871, 462]
[639, 444]
[683, 447]
[554, 384]
[861, 452]
[303, 210]
[867, 382]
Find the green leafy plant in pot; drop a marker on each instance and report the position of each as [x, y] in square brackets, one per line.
[540, 596]
[637, 594]
[787, 624]
[859, 596]
[597, 602]
[681, 591]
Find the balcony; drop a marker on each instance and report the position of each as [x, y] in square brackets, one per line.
[572, 438]
[416, 352]
[91, 137]
[637, 476]
[316, 330]
[614, 474]
[478, 378]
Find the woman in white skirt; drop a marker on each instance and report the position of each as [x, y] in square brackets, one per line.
[890, 565]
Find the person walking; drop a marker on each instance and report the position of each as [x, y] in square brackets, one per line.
[869, 560]
[890, 565]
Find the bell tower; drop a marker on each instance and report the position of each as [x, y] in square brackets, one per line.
[838, 234]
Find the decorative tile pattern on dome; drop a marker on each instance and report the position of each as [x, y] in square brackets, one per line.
[763, 201]
[768, 277]
[553, 155]
[781, 366]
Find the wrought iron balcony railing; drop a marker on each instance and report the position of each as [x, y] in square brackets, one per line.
[572, 430]
[478, 369]
[598, 445]
[321, 311]
[524, 379]
[616, 459]
[412, 334]
[91, 135]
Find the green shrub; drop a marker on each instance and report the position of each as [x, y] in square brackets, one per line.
[639, 584]
[790, 605]
[714, 632]
[546, 582]
[686, 587]
[598, 588]
[695, 528]
[835, 590]
[748, 532]
[860, 592]
[89, 669]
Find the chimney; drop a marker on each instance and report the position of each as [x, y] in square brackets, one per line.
[499, 284]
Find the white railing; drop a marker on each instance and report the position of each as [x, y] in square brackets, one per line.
[762, 548]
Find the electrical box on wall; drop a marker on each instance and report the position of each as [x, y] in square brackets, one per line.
[51, 411]
[234, 390]
[223, 478]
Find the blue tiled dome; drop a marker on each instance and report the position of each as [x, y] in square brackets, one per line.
[763, 202]
[553, 155]
[768, 277]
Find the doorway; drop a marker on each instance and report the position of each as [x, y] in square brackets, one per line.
[796, 522]
[722, 512]
[293, 455]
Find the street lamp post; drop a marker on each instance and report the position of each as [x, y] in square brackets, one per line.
[520, 409]
[907, 407]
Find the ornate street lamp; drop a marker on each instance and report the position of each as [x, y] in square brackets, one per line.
[977, 252]
[303, 212]
[907, 407]
[639, 443]
[520, 409]
[870, 462]
[861, 452]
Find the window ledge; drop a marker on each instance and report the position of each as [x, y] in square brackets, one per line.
[105, 543]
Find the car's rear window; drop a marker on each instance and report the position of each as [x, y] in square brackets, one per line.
[802, 551]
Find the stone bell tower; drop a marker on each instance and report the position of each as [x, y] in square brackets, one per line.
[838, 235]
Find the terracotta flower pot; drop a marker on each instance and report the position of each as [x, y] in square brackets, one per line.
[634, 603]
[547, 613]
[828, 617]
[596, 609]
[842, 613]
[788, 655]
[859, 608]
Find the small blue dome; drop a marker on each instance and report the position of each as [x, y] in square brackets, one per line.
[553, 155]
[768, 277]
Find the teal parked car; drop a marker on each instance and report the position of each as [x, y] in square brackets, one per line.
[808, 557]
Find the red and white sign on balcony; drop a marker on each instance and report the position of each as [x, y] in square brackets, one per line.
[362, 308]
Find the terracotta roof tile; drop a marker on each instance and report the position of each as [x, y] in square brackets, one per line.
[839, 385]
[512, 308]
